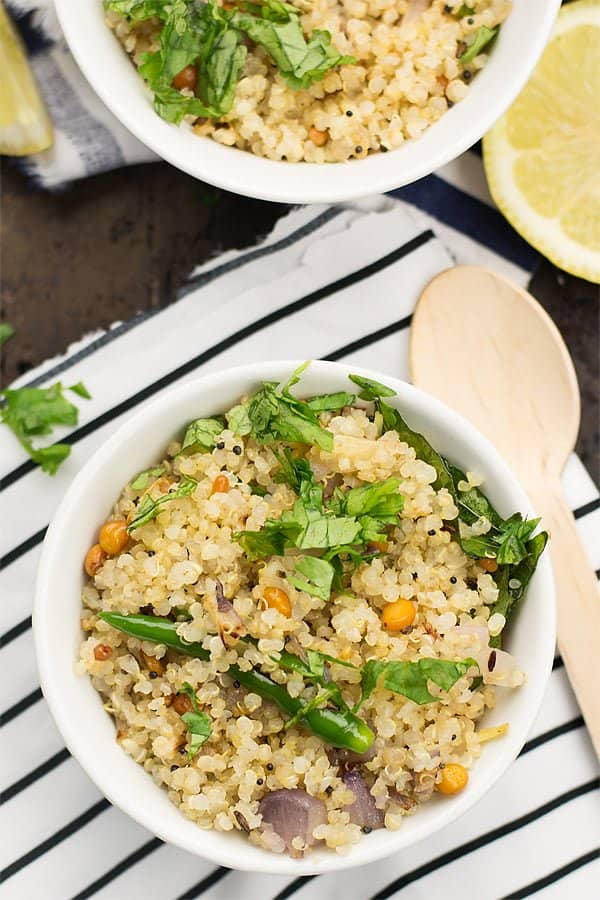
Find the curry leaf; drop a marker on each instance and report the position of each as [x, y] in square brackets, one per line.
[472, 503]
[257, 489]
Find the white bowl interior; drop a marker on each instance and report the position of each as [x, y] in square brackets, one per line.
[109, 71]
[88, 730]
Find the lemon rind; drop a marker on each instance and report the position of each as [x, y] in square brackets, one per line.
[544, 234]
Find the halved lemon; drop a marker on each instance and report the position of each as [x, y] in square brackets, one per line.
[542, 158]
[25, 126]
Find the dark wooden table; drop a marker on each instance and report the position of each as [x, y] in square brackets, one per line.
[123, 242]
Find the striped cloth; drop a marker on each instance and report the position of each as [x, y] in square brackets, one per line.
[336, 283]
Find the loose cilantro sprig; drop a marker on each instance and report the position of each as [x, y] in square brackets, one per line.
[6, 332]
[199, 724]
[33, 412]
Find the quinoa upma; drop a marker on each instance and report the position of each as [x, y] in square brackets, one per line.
[295, 619]
[319, 80]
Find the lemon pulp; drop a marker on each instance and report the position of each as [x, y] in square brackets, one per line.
[25, 126]
[542, 158]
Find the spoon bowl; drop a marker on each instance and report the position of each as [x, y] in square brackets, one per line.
[488, 350]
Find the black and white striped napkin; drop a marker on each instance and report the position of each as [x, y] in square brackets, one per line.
[336, 283]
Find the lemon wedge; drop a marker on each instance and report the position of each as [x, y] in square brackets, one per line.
[542, 158]
[25, 126]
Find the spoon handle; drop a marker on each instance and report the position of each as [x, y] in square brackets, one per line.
[578, 600]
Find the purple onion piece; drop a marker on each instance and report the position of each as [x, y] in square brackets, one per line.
[363, 811]
[340, 757]
[230, 626]
[293, 813]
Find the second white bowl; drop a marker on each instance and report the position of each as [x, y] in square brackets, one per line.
[77, 708]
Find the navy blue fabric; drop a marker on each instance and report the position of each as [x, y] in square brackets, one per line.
[470, 216]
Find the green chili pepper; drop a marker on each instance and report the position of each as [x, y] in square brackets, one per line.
[340, 728]
[155, 629]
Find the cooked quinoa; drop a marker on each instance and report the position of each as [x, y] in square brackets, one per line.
[407, 73]
[191, 551]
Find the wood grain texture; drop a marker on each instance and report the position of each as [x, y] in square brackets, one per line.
[514, 379]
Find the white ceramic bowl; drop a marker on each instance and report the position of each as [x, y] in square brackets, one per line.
[109, 71]
[77, 708]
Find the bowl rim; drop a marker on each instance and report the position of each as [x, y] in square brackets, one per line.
[75, 737]
[284, 182]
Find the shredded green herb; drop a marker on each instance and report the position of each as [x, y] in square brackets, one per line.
[212, 38]
[144, 479]
[149, 508]
[33, 412]
[410, 678]
[513, 581]
[201, 435]
[274, 414]
[483, 38]
[6, 332]
[198, 723]
[315, 576]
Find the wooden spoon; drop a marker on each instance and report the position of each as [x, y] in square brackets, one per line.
[488, 349]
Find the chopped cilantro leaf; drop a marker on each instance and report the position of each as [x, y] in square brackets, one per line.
[144, 479]
[198, 723]
[371, 390]
[410, 678]
[483, 38]
[201, 435]
[149, 508]
[6, 332]
[316, 577]
[81, 390]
